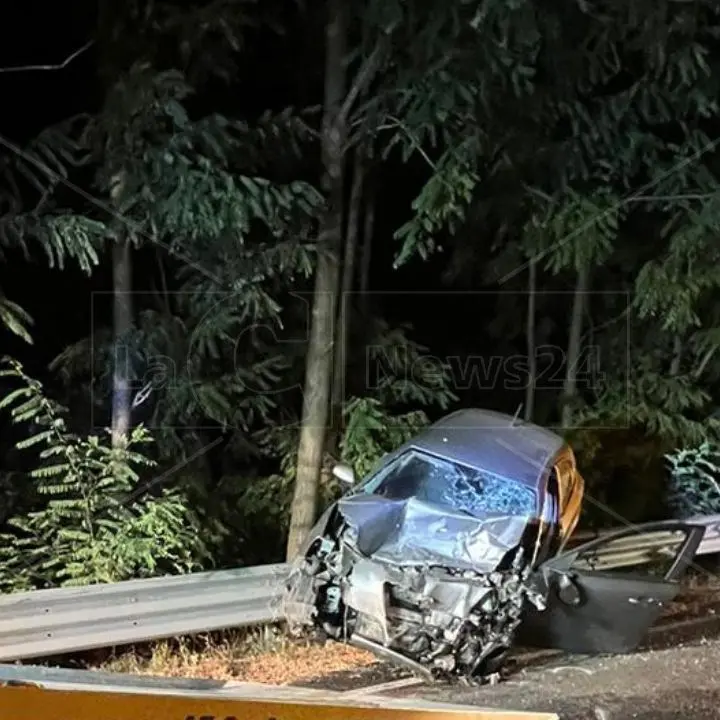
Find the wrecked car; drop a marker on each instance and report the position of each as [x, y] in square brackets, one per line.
[454, 549]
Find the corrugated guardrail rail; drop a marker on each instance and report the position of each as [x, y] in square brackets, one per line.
[47, 622]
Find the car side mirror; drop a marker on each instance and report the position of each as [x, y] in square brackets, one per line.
[344, 473]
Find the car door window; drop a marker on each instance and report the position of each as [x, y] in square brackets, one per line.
[639, 554]
[548, 539]
[653, 550]
[603, 596]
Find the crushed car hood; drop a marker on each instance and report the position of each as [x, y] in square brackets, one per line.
[411, 532]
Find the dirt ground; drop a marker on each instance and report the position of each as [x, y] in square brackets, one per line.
[234, 658]
[674, 676]
[695, 605]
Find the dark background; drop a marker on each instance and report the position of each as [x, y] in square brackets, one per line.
[60, 302]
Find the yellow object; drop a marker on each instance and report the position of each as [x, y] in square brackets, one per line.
[96, 696]
[571, 488]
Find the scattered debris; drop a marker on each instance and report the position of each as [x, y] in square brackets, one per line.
[565, 668]
[437, 621]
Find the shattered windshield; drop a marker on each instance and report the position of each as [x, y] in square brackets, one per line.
[438, 481]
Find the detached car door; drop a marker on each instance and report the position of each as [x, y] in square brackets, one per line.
[603, 596]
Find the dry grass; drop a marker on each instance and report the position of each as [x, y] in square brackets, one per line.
[700, 597]
[264, 656]
[699, 578]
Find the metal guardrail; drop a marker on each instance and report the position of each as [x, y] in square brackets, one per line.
[63, 620]
[626, 551]
[47, 622]
[711, 540]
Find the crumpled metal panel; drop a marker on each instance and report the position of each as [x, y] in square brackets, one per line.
[433, 586]
[366, 593]
[411, 532]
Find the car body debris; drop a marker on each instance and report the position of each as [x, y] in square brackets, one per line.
[453, 550]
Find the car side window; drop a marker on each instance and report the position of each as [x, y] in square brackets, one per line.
[550, 516]
[642, 553]
[550, 508]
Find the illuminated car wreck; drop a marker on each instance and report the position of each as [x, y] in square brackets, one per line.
[439, 556]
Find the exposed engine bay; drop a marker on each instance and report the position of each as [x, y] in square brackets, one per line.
[437, 591]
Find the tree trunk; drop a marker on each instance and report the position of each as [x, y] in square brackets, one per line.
[368, 230]
[122, 326]
[110, 12]
[530, 333]
[573, 353]
[344, 303]
[319, 362]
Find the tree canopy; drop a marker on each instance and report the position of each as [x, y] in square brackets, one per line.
[252, 208]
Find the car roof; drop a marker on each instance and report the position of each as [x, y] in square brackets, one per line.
[492, 441]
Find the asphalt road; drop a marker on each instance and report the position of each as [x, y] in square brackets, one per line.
[680, 682]
[675, 676]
